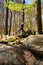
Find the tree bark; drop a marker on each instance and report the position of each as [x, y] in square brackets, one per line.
[38, 16]
[23, 21]
[10, 23]
[6, 21]
[23, 11]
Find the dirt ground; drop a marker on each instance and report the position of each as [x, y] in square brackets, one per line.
[32, 59]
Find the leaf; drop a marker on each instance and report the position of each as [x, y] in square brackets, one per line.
[19, 7]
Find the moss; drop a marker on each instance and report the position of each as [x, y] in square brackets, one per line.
[11, 39]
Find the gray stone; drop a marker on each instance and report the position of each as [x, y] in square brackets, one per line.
[41, 49]
[34, 43]
[11, 55]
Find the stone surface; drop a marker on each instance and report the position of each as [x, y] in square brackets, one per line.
[34, 39]
[34, 43]
[11, 55]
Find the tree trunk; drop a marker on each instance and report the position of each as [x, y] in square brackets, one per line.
[6, 21]
[23, 21]
[38, 16]
[10, 23]
[23, 11]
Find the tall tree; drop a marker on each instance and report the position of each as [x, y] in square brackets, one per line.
[38, 16]
[10, 22]
[6, 21]
[22, 24]
[23, 10]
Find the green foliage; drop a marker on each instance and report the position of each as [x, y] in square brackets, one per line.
[11, 39]
[31, 9]
[18, 7]
[15, 6]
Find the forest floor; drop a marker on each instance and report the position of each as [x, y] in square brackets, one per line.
[32, 59]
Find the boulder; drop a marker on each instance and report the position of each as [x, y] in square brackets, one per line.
[11, 55]
[34, 43]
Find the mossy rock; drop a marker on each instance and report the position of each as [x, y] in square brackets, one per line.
[9, 39]
[34, 43]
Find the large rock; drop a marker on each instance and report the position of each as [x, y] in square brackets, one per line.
[11, 55]
[34, 43]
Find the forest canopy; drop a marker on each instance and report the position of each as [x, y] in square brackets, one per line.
[19, 7]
